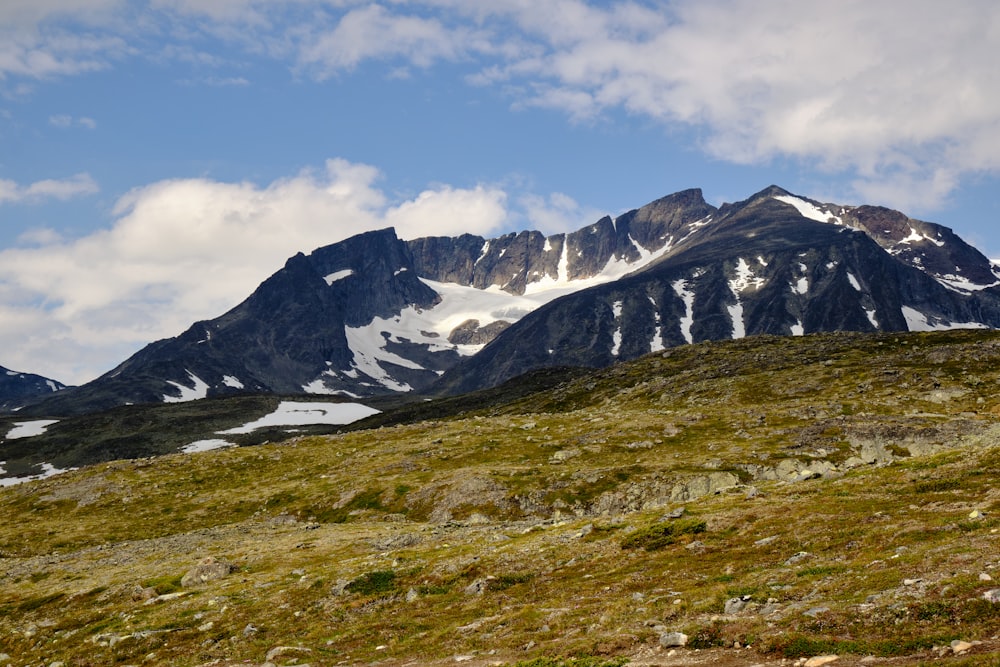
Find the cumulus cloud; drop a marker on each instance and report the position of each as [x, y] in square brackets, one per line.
[373, 32]
[189, 249]
[904, 100]
[907, 104]
[557, 213]
[67, 188]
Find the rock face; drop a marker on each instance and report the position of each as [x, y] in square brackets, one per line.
[18, 388]
[375, 315]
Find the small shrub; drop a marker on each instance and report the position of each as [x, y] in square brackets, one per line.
[164, 585]
[370, 583]
[585, 661]
[505, 581]
[663, 534]
[937, 485]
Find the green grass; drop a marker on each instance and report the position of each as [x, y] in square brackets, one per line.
[363, 545]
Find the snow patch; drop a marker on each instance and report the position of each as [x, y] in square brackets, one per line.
[745, 277]
[48, 470]
[656, 344]
[30, 429]
[681, 290]
[871, 317]
[233, 382]
[917, 237]
[297, 413]
[961, 284]
[854, 281]
[798, 329]
[917, 321]
[198, 391]
[338, 275]
[801, 286]
[206, 445]
[810, 210]
[617, 335]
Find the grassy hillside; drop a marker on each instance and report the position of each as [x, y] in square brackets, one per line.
[830, 494]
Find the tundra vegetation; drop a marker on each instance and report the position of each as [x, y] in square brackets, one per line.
[768, 498]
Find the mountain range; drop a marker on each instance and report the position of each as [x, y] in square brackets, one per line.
[375, 315]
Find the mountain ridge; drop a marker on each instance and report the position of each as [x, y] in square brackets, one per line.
[375, 315]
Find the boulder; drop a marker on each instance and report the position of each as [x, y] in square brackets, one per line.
[671, 639]
[209, 569]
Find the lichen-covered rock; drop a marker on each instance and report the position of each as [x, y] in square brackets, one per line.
[209, 569]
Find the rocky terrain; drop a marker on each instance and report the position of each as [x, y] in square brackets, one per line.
[825, 499]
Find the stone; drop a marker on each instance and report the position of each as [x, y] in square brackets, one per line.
[564, 455]
[670, 639]
[209, 569]
[985, 577]
[282, 651]
[677, 513]
[816, 611]
[958, 646]
[141, 594]
[820, 660]
[736, 605]
[797, 558]
[992, 595]
[476, 587]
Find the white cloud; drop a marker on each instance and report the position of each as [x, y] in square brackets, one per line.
[67, 188]
[373, 32]
[904, 99]
[558, 213]
[189, 249]
[66, 121]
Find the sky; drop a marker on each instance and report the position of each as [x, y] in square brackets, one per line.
[160, 158]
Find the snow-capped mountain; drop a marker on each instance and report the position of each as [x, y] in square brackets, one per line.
[377, 315]
[17, 388]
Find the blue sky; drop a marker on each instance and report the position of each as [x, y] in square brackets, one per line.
[158, 159]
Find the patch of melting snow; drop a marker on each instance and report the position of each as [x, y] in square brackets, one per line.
[917, 321]
[338, 275]
[206, 445]
[809, 210]
[656, 344]
[298, 413]
[198, 391]
[617, 335]
[29, 429]
[48, 470]
[961, 284]
[917, 237]
[681, 290]
[233, 382]
[854, 281]
[798, 329]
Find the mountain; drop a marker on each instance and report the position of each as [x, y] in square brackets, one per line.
[773, 264]
[17, 388]
[375, 315]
